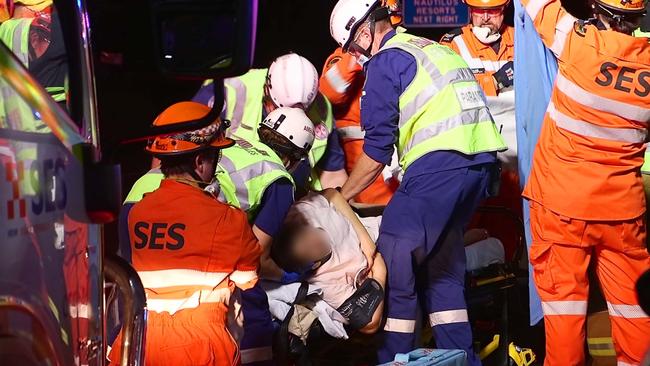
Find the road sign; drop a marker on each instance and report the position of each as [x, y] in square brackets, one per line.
[435, 13]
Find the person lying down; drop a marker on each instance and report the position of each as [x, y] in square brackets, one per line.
[326, 241]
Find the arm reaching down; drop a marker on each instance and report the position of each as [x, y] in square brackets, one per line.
[368, 246]
[364, 173]
[268, 268]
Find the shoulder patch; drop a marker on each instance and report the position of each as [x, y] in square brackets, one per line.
[451, 35]
[580, 27]
[333, 61]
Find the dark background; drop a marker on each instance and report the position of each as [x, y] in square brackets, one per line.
[131, 93]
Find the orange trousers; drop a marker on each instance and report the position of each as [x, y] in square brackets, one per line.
[560, 254]
[379, 192]
[187, 338]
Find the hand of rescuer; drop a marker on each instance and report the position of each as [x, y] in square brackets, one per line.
[504, 78]
[268, 268]
[363, 174]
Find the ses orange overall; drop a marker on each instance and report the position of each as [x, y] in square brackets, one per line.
[482, 58]
[585, 189]
[190, 252]
[342, 82]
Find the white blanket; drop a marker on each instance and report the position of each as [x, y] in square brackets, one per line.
[281, 297]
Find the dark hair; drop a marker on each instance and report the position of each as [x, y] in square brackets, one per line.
[621, 22]
[282, 248]
[280, 144]
[181, 164]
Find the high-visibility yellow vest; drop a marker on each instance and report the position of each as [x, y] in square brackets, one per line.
[244, 173]
[244, 96]
[145, 184]
[640, 33]
[16, 113]
[14, 33]
[444, 107]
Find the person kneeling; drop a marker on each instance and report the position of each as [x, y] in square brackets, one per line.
[326, 241]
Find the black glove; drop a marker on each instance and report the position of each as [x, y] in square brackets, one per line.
[505, 76]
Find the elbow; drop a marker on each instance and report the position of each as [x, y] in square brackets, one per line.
[375, 323]
[372, 327]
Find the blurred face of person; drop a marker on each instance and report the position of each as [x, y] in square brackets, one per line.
[310, 245]
[491, 18]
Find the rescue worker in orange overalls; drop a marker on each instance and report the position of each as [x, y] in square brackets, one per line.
[189, 249]
[487, 44]
[585, 188]
[342, 82]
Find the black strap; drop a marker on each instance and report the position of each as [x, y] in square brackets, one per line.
[281, 341]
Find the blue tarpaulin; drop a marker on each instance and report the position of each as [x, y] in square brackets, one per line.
[535, 71]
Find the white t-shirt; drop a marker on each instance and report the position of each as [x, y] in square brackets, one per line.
[339, 275]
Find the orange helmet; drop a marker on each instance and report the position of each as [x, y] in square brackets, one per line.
[395, 11]
[191, 141]
[6, 10]
[486, 4]
[624, 6]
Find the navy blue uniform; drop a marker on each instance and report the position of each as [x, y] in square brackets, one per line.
[421, 235]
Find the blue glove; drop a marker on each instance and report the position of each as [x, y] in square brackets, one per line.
[290, 277]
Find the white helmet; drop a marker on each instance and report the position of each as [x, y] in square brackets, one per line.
[292, 81]
[295, 126]
[346, 18]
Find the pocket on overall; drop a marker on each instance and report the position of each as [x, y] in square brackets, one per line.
[197, 353]
[541, 258]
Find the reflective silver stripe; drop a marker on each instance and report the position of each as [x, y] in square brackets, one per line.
[448, 317]
[628, 135]
[534, 6]
[622, 363]
[243, 277]
[564, 308]
[562, 29]
[580, 95]
[626, 311]
[17, 44]
[172, 305]
[472, 62]
[399, 325]
[420, 101]
[240, 103]
[439, 81]
[80, 311]
[351, 133]
[260, 354]
[333, 76]
[241, 190]
[242, 176]
[180, 277]
[476, 62]
[434, 129]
